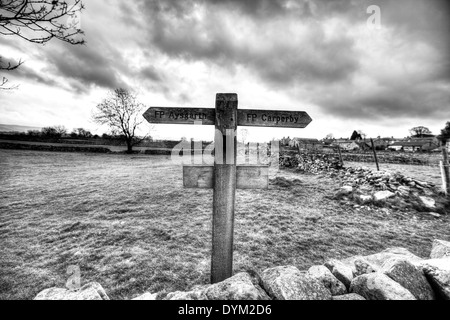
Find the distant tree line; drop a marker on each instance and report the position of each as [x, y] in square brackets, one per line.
[58, 132]
[416, 132]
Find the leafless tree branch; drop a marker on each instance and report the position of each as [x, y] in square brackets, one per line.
[39, 21]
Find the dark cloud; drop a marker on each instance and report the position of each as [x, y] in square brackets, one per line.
[150, 73]
[94, 64]
[260, 8]
[282, 61]
[254, 8]
[324, 61]
[319, 60]
[414, 102]
[24, 72]
[425, 20]
[286, 45]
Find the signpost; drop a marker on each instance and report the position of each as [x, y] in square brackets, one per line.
[248, 118]
[225, 176]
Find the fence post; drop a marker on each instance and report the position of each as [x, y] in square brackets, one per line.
[340, 155]
[446, 169]
[375, 154]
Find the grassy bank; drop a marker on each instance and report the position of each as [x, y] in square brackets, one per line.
[129, 224]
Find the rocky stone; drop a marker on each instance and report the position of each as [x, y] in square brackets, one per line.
[330, 282]
[362, 266]
[288, 283]
[437, 272]
[344, 191]
[363, 199]
[428, 203]
[404, 191]
[378, 286]
[196, 293]
[434, 215]
[342, 272]
[350, 296]
[422, 184]
[378, 259]
[146, 296]
[409, 277]
[383, 195]
[441, 249]
[90, 291]
[241, 286]
[189, 295]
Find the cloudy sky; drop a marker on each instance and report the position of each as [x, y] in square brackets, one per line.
[329, 58]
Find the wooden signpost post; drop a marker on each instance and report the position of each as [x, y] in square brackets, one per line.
[225, 176]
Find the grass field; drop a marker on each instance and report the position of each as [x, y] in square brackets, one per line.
[127, 222]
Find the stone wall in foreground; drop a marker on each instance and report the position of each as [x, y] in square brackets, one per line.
[394, 274]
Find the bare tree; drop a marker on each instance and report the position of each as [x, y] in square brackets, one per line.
[81, 133]
[60, 130]
[419, 131]
[39, 21]
[54, 132]
[123, 114]
[329, 136]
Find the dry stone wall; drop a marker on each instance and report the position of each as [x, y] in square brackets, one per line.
[393, 274]
[363, 187]
[53, 148]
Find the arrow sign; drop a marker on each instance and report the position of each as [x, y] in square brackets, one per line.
[226, 178]
[273, 118]
[180, 115]
[248, 118]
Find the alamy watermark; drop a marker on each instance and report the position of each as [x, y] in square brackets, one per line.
[74, 281]
[222, 151]
[374, 21]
